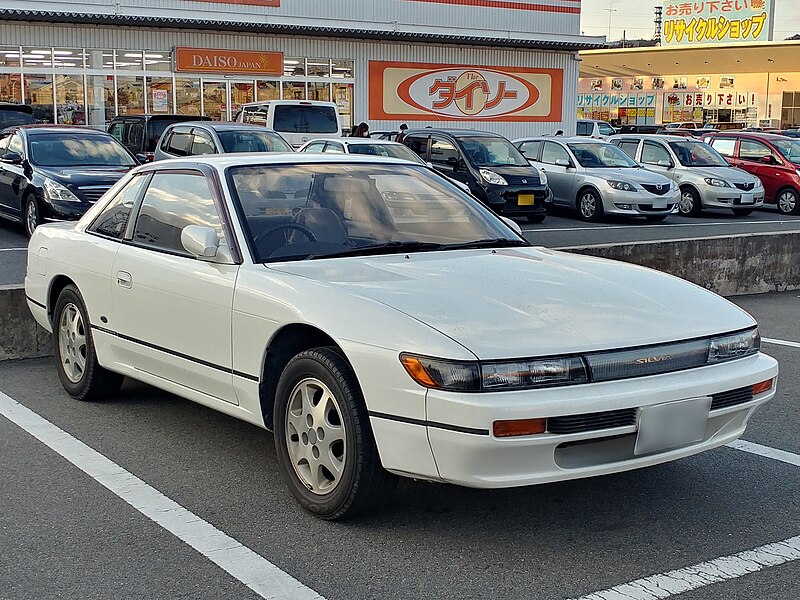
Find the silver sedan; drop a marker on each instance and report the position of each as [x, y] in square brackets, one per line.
[596, 178]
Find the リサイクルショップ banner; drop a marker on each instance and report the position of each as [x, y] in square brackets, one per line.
[420, 91]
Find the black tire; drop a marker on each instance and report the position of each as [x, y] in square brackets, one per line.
[91, 382]
[363, 483]
[536, 218]
[788, 202]
[690, 204]
[656, 218]
[31, 215]
[590, 206]
[742, 212]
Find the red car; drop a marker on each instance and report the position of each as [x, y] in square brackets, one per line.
[775, 159]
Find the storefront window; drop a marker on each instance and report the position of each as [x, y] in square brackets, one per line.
[318, 67]
[159, 94]
[319, 91]
[294, 90]
[9, 56]
[130, 95]
[70, 106]
[241, 93]
[100, 100]
[269, 90]
[37, 57]
[157, 61]
[215, 100]
[343, 96]
[129, 60]
[39, 94]
[187, 96]
[294, 67]
[68, 58]
[343, 69]
[99, 59]
[11, 88]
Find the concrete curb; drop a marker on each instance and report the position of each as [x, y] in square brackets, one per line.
[728, 265]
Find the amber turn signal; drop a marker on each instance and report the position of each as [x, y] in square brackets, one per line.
[762, 387]
[417, 371]
[519, 427]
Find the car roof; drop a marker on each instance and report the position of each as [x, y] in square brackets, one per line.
[224, 161]
[656, 137]
[756, 135]
[222, 126]
[37, 128]
[304, 102]
[453, 132]
[356, 141]
[577, 139]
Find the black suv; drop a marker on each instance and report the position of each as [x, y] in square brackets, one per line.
[495, 171]
[15, 114]
[140, 133]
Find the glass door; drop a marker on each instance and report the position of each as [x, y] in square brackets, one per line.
[215, 99]
[241, 92]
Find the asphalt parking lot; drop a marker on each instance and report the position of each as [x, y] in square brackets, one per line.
[66, 535]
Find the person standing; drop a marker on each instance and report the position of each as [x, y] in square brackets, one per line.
[402, 133]
[362, 130]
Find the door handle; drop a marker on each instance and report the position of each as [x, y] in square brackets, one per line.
[124, 279]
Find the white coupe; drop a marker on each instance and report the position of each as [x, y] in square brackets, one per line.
[382, 322]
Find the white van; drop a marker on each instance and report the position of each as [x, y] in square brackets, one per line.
[296, 120]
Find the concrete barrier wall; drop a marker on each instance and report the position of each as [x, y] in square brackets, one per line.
[728, 265]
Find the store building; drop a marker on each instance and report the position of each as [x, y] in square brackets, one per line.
[510, 67]
[752, 84]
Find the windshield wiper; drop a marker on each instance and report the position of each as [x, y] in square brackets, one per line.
[386, 248]
[487, 243]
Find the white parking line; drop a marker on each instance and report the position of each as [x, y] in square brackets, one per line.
[253, 570]
[13, 249]
[703, 574]
[660, 225]
[781, 342]
[766, 452]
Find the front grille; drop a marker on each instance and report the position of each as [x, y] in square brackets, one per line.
[649, 208]
[745, 186]
[731, 398]
[592, 421]
[654, 189]
[93, 193]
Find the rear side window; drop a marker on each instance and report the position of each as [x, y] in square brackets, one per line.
[724, 146]
[117, 129]
[584, 128]
[180, 142]
[553, 152]
[290, 118]
[114, 218]
[531, 149]
[135, 136]
[202, 143]
[257, 115]
[417, 144]
[629, 148]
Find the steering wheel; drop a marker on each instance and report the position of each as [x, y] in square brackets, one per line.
[257, 240]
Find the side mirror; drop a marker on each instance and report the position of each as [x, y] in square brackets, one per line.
[430, 164]
[200, 241]
[665, 163]
[143, 158]
[11, 158]
[768, 159]
[563, 162]
[513, 224]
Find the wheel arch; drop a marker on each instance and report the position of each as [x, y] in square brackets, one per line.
[57, 285]
[583, 188]
[287, 342]
[783, 188]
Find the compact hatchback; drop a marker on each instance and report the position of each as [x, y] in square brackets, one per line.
[195, 139]
[704, 178]
[55, 173]
[596, 178]
[493, 169]
[140, 133]
[774, 159]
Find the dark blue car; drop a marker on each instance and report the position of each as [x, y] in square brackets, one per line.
[55, 173]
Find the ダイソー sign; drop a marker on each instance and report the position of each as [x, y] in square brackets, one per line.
[716, 21]
[209, 60]
[414, 91]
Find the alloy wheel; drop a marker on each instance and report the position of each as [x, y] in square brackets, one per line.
[72, 343]
[687, 202]
[787, 202]
[588, 205]
[31, 216]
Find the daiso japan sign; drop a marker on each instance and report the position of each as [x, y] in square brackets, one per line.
[412, 91]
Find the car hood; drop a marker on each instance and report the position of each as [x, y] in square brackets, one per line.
[729, 174]
[78, 176]
[530, 301]
[515, 175]
[634, 175]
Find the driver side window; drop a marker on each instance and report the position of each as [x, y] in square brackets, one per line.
[553, 152]
[444, 154]
[655, 154]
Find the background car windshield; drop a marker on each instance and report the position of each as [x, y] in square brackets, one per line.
[485, 151]
[252, 141]
[697, 154]
[789, 148]
[293, 118]
[9, 118]
[70, 150]
[294, 211]
[604, 156]
[605, 129]
[390, 150]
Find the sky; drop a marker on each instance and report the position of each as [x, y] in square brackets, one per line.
[636, 18]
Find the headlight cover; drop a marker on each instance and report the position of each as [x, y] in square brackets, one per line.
[735, 345]
[543, 177]
[716, 182]
[492, 177]
[622, 185]
[55, 191]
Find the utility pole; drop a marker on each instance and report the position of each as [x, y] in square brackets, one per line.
[610, 10]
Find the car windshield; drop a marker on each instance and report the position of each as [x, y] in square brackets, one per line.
[78, 150]
[301, 118]
[601, 155]
[486, 151]
[252, 141]
[390, 150]
[697, 154]
[789, 148]
[320, 210]
[605, 129]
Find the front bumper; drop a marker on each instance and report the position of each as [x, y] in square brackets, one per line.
[730, 197]
[518, 200]
[640, 203]
[459, 426]
[63, 211]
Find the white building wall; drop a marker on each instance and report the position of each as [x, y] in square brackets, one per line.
[68, 36]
